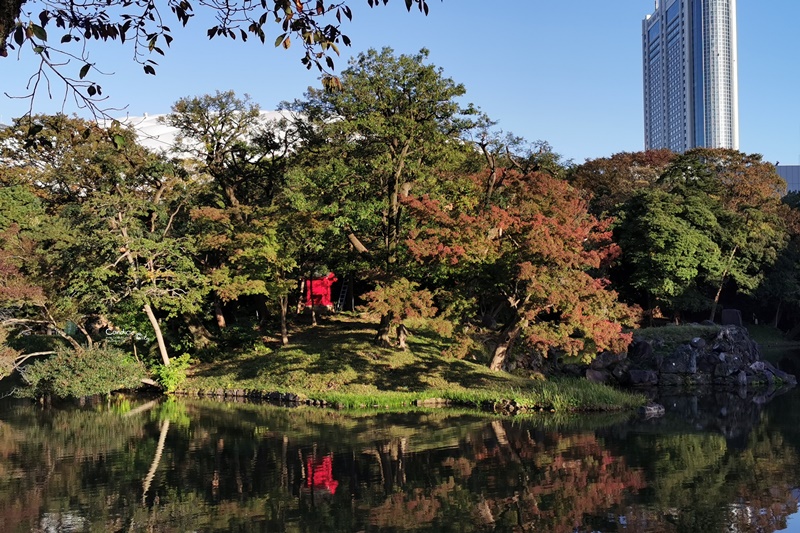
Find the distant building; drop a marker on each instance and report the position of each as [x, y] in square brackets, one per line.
[690, 75]
[790, 174]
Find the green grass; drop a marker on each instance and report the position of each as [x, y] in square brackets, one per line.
[337, 362]
[670, 337]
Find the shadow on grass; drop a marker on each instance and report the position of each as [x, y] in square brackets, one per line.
[340, 351]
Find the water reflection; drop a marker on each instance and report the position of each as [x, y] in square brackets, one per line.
[714, 463]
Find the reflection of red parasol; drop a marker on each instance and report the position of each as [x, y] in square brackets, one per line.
[320, 474]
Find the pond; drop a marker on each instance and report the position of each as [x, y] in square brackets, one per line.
[714, 463]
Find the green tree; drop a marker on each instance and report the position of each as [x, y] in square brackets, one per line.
[751, 214]
[247, 246]
[779, 293]
[717, 222]
[113, 243]
[667, 249]
[391, 129]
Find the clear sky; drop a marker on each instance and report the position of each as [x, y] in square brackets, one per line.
[568, 72]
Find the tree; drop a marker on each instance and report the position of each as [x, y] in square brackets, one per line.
[537, 246]
[610, 181]
[779, 293]
[716, 219]
[668, 249]
[243, 160]
[143, 25]
[112, 245]
[392, 128]
[749, 192]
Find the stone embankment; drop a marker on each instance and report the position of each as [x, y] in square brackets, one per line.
[730, 360]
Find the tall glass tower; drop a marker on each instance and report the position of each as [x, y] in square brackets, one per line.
[690, 75]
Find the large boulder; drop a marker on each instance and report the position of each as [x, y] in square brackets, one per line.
[682, 361]
[728, 360]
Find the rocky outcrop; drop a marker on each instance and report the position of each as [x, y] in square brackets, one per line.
[729, 360]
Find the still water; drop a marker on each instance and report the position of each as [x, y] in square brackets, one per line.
[717, 463]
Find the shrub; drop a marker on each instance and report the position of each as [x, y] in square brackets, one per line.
[173, 376]
[78, 373]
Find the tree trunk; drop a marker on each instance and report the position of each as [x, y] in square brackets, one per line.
[352, 293]
[776, 320]
[263, 313]
[9, 11]
[89, 341]
[301, 300]
[382, 337]
[284, 311]
[218, 313]
[402, 335]
[510, 335]
[722, 282]
[201, 337]
[162, 347]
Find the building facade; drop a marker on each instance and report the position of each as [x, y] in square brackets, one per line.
[791, 175]
[690, 75]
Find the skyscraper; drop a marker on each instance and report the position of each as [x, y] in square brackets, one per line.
[690, 75]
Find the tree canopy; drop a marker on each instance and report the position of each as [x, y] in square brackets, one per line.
[712, 219]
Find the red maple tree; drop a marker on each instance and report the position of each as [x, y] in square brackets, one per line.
[535, 246]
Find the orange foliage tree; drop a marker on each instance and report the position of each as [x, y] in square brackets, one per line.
[535, 247]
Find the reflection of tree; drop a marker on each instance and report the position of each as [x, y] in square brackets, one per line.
[208, 466]
[564, 478]
[698, 483]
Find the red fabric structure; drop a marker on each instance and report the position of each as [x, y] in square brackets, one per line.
[318, 291]
[320, 474]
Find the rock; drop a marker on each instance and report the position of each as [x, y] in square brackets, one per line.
[431, 402]
[652, 410]
[683, 361]
[640, 349]
[620, 371]
[742, 378]
[735, 341]
[698, 343]
[643, 377]
[670, 380]
[725, 369]
[606, 359]
[597, 376]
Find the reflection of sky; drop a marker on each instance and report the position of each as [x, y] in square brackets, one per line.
[793, 520]
[793, 524]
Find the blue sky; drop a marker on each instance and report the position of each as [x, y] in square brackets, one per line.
[567, 72]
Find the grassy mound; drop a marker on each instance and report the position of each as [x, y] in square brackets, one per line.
[337, 362]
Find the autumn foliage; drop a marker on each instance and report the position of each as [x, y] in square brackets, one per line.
[537, 248]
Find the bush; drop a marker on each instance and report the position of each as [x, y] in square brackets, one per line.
[78, 373]
[173, 376]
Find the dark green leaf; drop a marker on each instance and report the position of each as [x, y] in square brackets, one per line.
[39, 32]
